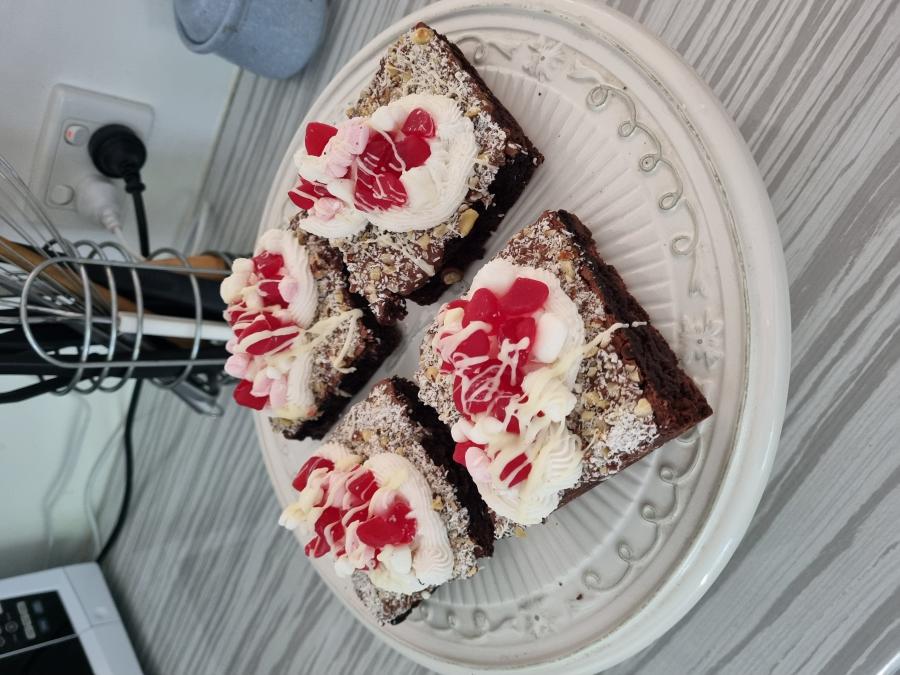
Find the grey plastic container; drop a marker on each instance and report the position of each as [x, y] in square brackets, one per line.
[273, 38]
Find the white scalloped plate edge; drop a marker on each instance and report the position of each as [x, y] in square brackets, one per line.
[767, 340]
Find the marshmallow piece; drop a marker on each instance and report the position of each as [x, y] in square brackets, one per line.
[460, 430]
[550, 338]
[453, 317]
[387, 118]
[478, 465]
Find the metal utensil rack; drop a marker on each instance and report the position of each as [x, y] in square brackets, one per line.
[87, 335]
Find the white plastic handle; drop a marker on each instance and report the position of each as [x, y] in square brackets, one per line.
[174, 327]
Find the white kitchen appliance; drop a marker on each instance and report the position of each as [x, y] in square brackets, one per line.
[62, 620]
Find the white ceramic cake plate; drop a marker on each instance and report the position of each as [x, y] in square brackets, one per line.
[640, 149]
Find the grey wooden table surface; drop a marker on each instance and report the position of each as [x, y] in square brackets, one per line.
[208, 584]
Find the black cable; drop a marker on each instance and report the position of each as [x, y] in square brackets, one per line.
[129, 469]
[141, 217]
[135, 187]
[118, 152]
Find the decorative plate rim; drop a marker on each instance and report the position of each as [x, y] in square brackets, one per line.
[766, 314]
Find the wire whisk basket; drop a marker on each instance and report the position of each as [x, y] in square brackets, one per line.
[86, 316]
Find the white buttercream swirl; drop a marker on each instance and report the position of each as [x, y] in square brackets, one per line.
[303, 305]
[555, 453]
[426, 561]
[432, 556]
[434, 190]
[437, 188]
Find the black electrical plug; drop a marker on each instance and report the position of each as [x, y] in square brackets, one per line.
[117, 152]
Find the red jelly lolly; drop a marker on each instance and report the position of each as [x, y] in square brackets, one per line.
[524, 297]
[477, 344]
[419, 123]
[313, 463]
[513, 425]
[316, 547]
[243, 396]
[394, 528]
[522, 475]
[379, 156]
[457, 394]
[512, 465]
[482, 306]
[453, 304]
[414, 151]
[328, 517]
[317, 137]
[270, 294]
[268, 265]
[300, 201]
[517, 328]
[315, 189]
[459, 453]
[363, 486]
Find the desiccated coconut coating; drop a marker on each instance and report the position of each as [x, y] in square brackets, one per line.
[385, 266]
[631, 395]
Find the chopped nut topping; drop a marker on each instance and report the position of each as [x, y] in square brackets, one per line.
[467, 220]
[643, 408]
[421, 35]
[437, 503]
[451, 275]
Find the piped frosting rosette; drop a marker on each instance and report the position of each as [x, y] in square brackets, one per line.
[272, 303]
[406, 167]
[373, 515]
[513, 345]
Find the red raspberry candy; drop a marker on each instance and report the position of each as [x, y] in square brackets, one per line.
[524, 297]
[414, 151]
[268, 265]
[330, 516]
[272, 343]
[306, 192]
[271, 296]
[243, 396]
[513, 425]
[459, 453]
[521, 476]
[379, 156]
[513, 464]
[362, 487]
[477, 344]
[310, 465]
[419, 123]
[394, 528]
[316, 547]
[381, 192]
[317, 137]
[514, 330]
[482, 306]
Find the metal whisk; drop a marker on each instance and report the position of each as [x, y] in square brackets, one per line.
[86, 316]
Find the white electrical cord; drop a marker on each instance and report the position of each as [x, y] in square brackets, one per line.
[89, 488]
[74, 443]
[97, 199]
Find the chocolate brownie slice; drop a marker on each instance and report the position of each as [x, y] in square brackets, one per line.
[394, 511]
[305, 369]
[616, 385]
[393, 259]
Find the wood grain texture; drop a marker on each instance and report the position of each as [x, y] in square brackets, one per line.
[207, 584]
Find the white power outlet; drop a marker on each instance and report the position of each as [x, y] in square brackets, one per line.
[61, 161]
